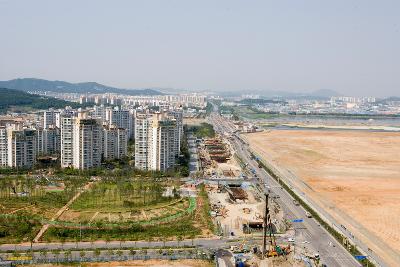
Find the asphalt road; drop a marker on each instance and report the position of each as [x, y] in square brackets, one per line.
[307, 233]
[106, 255]
[224, 258]
[202, 243]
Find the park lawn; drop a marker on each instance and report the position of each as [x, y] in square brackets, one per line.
[19, 227]
[122, 196]
[180, 228]
[45, 205]
[125, 216]
[203, 214]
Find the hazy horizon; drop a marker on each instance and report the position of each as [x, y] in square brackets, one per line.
[351, 47]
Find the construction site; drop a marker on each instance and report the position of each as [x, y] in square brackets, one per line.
[217, 160]
[238, 208]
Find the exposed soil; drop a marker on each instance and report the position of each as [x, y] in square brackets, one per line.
[354, 175]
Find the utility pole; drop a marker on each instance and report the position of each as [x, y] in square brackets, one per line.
[265, 226]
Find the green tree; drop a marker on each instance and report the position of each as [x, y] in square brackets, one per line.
[57, 254]
[179, 238]
[67, 254]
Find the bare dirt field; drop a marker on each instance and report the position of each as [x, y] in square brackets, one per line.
[353, 175]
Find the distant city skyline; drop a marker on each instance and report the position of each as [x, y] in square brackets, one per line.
[351, 47]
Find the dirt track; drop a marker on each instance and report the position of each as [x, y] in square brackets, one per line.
[355, 175]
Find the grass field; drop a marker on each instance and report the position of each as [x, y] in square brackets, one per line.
[121, 196]
[112, 208]
[25, 201]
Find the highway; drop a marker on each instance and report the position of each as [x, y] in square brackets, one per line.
[308, 233]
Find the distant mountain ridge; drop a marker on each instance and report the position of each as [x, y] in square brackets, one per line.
[33, 84]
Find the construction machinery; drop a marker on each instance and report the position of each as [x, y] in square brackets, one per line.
[274, 250]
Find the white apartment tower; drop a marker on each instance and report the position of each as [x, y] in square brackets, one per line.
[115, 144]
[3, 147]
[99, 112]
[178, 115]
[120, 118]
[21, 148]
[87, 143]
[51, 117]
[48, 140]
[66, 123]
[142, 128]
[162, 152]
[155, 141]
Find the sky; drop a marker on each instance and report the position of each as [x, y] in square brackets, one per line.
[349, 46]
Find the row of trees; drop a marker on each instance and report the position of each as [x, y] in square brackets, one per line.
[182, 227]
[106, 254]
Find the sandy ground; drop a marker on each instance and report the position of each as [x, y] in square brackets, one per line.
[141, 263]
[193, 121]
[235, 215]
[355, 175]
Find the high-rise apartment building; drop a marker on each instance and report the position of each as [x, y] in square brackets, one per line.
[51, 117]
[3, 147]
[155, 141]
[178, 115]
[120, 118]
[162, 152]
[87, 143]
[142, 128]
[48, 140]
[67, 122]
[21, 148]
[99, 112]
[115, 142]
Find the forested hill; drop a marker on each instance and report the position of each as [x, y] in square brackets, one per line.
[19, 100]
[33, 84]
